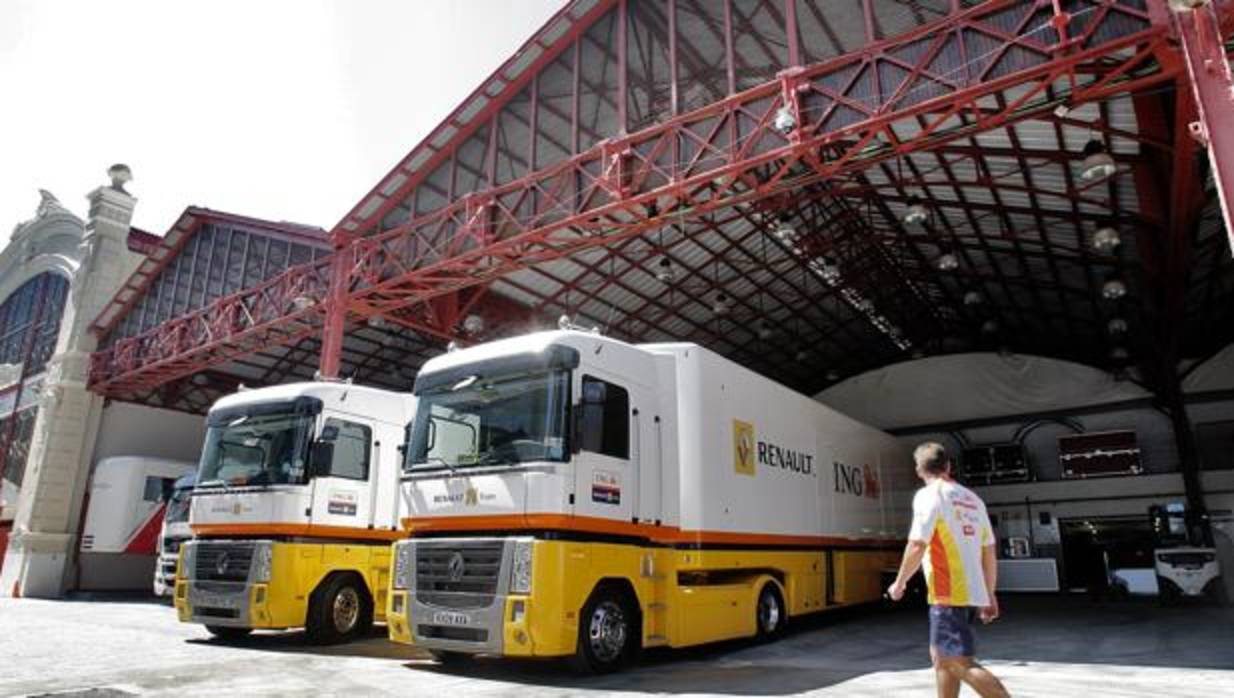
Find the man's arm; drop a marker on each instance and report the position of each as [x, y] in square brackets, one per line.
[989, 570]
[914, 551]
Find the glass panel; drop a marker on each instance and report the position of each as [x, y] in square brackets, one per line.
[257, 449]
[514, 138]
[492, 421]
[648, 74]
[702, 72]
[352, 447]
[597, 99]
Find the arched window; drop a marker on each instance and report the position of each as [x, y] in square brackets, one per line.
[29, 327]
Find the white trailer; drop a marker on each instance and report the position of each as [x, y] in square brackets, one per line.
[567, 493]
[124, 513]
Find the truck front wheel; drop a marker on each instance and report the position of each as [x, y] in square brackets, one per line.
[771, 615]
[607, 631]
[339, 611]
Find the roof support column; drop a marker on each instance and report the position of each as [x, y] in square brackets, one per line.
[1175, 406]
[336, 313]
[1213, 87]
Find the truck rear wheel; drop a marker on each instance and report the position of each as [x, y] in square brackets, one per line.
[769, 615]
[339, 611]
[608, 631]
[227, 633]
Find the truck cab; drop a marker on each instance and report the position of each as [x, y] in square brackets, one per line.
[293, 511]
[174, 532]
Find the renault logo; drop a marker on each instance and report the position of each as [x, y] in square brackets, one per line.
[221, 566]
[456, 567]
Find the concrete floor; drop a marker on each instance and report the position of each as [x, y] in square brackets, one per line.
[1044, 647]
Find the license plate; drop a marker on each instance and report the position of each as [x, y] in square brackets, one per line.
[447, 618]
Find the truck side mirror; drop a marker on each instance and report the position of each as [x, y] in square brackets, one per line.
[321, 458]
[588, 427]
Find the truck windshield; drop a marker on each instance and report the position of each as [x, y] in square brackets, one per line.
[491, 421]
[178, 505]
[256, 449]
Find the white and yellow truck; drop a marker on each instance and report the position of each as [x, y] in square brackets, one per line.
[294, 510]
[569, 494]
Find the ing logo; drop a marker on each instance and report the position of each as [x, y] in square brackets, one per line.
[743, 448]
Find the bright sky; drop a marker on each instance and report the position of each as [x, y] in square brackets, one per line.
[280, 109]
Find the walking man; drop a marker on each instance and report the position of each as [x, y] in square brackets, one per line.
[951, 533]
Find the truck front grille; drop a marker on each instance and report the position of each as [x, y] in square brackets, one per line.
[225, 562]
[458, 574]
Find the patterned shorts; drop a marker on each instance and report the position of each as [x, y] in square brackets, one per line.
[951, 630]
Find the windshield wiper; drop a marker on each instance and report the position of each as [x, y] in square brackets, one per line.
[431, 459]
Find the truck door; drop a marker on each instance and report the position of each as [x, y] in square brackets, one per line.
[344, 462]
[606, 465]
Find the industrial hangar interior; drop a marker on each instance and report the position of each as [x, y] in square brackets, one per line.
[881, 201]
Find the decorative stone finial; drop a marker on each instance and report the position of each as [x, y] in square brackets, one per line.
[120, 175]
[48, 203]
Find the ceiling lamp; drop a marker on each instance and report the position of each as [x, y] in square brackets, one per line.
[1113, 289]
[785, 121]
[947, 261]
[989, 326]
[786, 233]
[916, 213]
[1116, 326]
[473, 324]
[764, 330]
[973, 298]
[802, 356]
[832, 376]
[1098, 164]
[1119, 354]
[829, 270]
[664, 272]
[721, 305]
[1106, 239]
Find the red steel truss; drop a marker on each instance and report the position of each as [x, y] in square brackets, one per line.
[846, 113]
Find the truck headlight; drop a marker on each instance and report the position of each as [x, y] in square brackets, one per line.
[402, 565]
[520, 570]
[263, 562]
[188, 557]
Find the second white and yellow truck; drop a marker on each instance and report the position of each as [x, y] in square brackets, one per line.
[294, 510]
[569, 494]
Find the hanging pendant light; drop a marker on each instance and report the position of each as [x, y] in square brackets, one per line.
[785, 121]
[764, 330]
[989, 326]
[947, 261]
[664, 271]
[1098, 163]
[1116, 326]
[916, 213]
[720, 307]
[1106, 239]
[1113, 289]
[972, 298]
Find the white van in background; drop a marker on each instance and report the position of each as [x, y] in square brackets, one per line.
[175, 531]
[124, 514]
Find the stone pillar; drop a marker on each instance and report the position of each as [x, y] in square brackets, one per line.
[40, 558]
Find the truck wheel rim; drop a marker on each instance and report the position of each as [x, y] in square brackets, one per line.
[346, 609]
[768, 612]
[607, 631]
